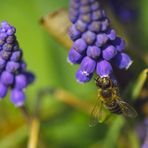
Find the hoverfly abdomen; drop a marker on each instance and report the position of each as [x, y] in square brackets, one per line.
[114, 108]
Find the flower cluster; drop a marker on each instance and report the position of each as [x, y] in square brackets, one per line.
[142, 133]
[95, 44]
[124, 10]
[13, 72]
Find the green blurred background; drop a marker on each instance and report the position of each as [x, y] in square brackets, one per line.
[62, 126]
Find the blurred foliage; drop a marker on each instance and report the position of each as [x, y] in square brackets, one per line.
[63, 125]
[140, 83]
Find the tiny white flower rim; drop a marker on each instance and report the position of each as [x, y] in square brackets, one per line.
[19, 104]
[129, 64]
[69, 61]
[105, 75]
[79, 81]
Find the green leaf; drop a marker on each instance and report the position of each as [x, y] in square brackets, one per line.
[113, 133]
[139, 84]
[134, 140]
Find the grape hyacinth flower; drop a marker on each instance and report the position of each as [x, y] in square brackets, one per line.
[96, 46]
[142, 132]
[13, 73]
[124, 10]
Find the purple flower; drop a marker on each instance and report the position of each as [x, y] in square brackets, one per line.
[80, 46]
[20, 81]
[2, 64]
[88, 65]
[111, 34]
[12, 67]
[93, 52]
[13, 73]
[142, 132]
[74, 33]
[95, 6]
[17, 97]
[119, 44]
[109, 52]
[29, 76]
[97, 15]
[83, 76]
[3, 90]
[104, 24]
[16, 56]
[81, 26]
[95, 26]
[74, 57]
[123, 61]
[96, 45]
[101, 39]
[104, 68]
[124, 10]
[89, 37]
[145, 145]
[7, 78]
[85, 9]
[85, 17]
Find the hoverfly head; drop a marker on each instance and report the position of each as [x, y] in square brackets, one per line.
[104, 82]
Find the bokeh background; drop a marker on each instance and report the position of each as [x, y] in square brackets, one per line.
[61, 125]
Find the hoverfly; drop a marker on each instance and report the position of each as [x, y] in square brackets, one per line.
[109, 98]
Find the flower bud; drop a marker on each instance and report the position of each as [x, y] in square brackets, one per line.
[119, 44]
[7, 78]
[88, 65]
[111, 34]
[12, 67]
[89, 37]
[3, 90]
[17, 97]
[80, 46]
[20, 81]
[85, 9]
[85, 17]
[101, 39]
[95, 6]
[109, 52]
[2, 64]
[97, 15]
[74, 57]
[82, 76]
[16, 56]
[123, 61]
[104, 68]
[74, 33]
[95, 26]
[104, 25]
[81, 26]
[93, 52]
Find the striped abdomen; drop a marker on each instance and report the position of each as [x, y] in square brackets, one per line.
[114, 108]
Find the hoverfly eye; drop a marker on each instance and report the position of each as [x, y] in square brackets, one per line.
[99, 83]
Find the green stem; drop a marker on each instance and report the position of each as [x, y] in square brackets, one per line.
[34, 133]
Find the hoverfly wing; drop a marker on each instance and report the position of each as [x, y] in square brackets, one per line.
[96, 113]
[126, 109]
